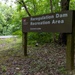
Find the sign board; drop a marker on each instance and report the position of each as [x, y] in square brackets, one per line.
[53, 22]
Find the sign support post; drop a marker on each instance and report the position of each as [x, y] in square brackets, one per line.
[25, 43]
[70, 41]
[70, 53]
[70, 50]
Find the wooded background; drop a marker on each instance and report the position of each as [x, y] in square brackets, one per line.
[11, 19]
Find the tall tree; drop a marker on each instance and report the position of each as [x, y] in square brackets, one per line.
[64, 6]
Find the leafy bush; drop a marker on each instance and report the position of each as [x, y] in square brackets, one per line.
[41, 37]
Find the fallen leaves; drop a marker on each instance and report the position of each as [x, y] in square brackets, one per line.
[42, 60]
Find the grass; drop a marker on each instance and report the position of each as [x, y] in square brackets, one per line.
[9, 43]
[8, 47]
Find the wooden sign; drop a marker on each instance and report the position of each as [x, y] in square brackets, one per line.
[54, 22]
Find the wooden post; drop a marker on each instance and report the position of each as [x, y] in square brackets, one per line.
[70, 49]
[70, 42]
[24, 40]
[70, 53]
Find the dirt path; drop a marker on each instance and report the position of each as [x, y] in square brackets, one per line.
[5, 37]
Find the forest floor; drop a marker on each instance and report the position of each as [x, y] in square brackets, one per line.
[48, 59]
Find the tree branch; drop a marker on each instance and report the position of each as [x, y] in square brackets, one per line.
[24, 5]
[51, 6]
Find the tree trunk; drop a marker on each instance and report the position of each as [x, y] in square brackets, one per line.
[51, 9]
[24, 35]
[64, 6]
[51, 6]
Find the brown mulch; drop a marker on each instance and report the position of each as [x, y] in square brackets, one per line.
[48, 59]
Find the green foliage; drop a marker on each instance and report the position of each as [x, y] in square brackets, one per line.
[72, 4]
[35, 7]
[11, 19]
[56, 5]
[18, 74]
[41, 37]
[5, 17]
[4, 68]
[18, 33]
[62, 70]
